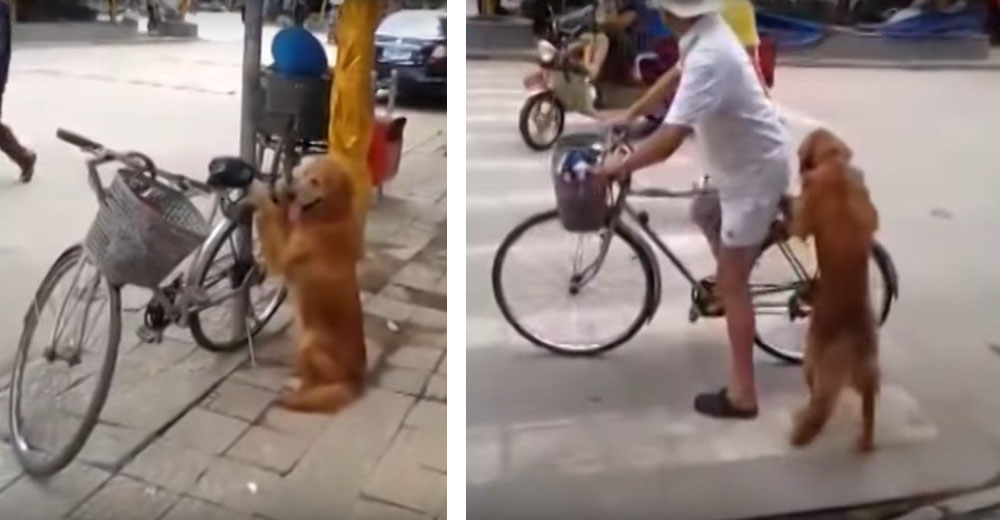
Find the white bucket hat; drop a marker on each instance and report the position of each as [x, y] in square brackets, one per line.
[689, 8]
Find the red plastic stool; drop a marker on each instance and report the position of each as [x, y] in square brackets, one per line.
[385, 150]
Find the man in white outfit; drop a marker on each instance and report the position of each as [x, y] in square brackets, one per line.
[743, 146]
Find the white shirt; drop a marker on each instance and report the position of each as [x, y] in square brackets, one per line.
[743, 144]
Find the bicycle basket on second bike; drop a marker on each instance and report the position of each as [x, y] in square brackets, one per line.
[143, 230]
[581, 197]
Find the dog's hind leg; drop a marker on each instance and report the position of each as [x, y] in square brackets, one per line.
[323, 398]
[828, 379]
[866, 382]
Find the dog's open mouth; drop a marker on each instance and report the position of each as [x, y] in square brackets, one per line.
[296, 210]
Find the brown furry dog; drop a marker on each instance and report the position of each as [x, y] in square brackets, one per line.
[309, 237]
[842, 342]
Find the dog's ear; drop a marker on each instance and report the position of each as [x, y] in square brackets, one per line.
[802, 207]
[806, 151]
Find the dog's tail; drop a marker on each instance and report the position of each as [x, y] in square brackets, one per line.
[328, 398]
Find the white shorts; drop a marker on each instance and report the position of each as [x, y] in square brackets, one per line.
[746, 221]
[735, 222]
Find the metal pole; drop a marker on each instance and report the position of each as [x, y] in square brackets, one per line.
[250, 101]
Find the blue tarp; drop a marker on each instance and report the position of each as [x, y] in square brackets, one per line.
[788, 32]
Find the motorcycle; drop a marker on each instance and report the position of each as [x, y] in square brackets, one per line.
[561, 85]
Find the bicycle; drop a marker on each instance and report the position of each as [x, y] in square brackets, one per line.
[783, 294]
[145, 228]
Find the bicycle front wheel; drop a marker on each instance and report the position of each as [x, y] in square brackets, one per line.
[779, 285]
[575, 294]
[64, 363]
[219, 281]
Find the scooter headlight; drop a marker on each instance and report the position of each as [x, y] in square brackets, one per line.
[546, 51]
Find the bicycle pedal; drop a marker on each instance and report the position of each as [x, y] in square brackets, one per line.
[148, 335]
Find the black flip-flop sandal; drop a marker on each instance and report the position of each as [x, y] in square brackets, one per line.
[718, 406]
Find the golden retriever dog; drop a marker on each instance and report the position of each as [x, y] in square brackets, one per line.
[842, 342]
[310, 238]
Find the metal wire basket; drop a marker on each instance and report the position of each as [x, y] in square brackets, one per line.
[143, 230]
[582, 198]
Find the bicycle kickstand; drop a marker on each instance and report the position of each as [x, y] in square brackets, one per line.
[250, 346]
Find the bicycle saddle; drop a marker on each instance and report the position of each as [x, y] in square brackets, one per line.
[230, 172]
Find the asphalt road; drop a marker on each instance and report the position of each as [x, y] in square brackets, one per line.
[179, 103]
[541, 427]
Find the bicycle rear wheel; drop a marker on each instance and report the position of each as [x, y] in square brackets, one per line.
[219, 277]
[59, 387]
[778, 284]
[551, 289]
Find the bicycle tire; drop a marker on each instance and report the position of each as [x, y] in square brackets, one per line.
[626, 234]
[31, 464]
[881, 309]
[194, 319]
[524, 120]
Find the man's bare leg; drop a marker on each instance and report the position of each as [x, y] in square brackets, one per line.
[734, 290]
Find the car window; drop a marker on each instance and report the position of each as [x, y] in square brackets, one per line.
[413, 24]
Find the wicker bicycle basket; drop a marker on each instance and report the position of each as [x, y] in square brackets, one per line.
[143, 230]
[583, 203]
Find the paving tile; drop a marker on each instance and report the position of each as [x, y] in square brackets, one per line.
[304, 425]
[403, 380]
[430, 339]
[429, 318]
[53, 498]
[109, 447]
[429, 416]
[413, 446]
[437, 388]
[123, 498]
[172, 390]
[399, 479]
[192, 509]
[345, 454]
[268, 377]
[237, 485]
[418, 276]
[206, 431]
[269, 449]
[368, 510]
[415, 357]
[389, 309]
[168, 465]
[239, 400]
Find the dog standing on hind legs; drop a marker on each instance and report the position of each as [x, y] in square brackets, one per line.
[842, 340]
[309, 237]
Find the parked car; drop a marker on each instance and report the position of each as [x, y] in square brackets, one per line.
[413, 42]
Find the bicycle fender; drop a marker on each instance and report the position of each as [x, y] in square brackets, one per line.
[882, 257]
[653, 302]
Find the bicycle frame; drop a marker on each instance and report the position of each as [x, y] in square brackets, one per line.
[621, 208]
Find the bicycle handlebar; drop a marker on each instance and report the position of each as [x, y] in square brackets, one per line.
[133, 159]
[77, 140]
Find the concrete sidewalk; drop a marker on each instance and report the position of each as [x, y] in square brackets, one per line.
[187, 433]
